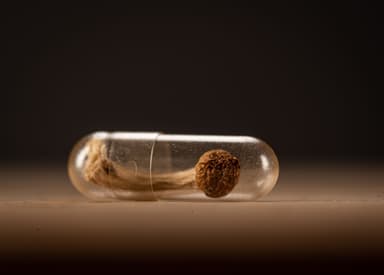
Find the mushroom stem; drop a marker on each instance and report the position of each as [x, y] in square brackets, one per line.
[101, 170]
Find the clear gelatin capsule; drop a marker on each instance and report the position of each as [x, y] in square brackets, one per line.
[156, 166]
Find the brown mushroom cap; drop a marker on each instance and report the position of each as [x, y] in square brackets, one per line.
[217, 173]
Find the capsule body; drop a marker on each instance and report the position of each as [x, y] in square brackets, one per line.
[156, 166]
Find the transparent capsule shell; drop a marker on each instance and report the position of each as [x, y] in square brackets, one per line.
[155, 166]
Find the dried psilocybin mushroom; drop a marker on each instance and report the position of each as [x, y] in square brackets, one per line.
[216, 173]
[154, 166]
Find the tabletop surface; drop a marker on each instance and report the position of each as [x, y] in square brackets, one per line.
[322, 209]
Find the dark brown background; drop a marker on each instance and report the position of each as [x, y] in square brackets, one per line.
[303, 77]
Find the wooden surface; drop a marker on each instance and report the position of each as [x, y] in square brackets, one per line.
[315, 210]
